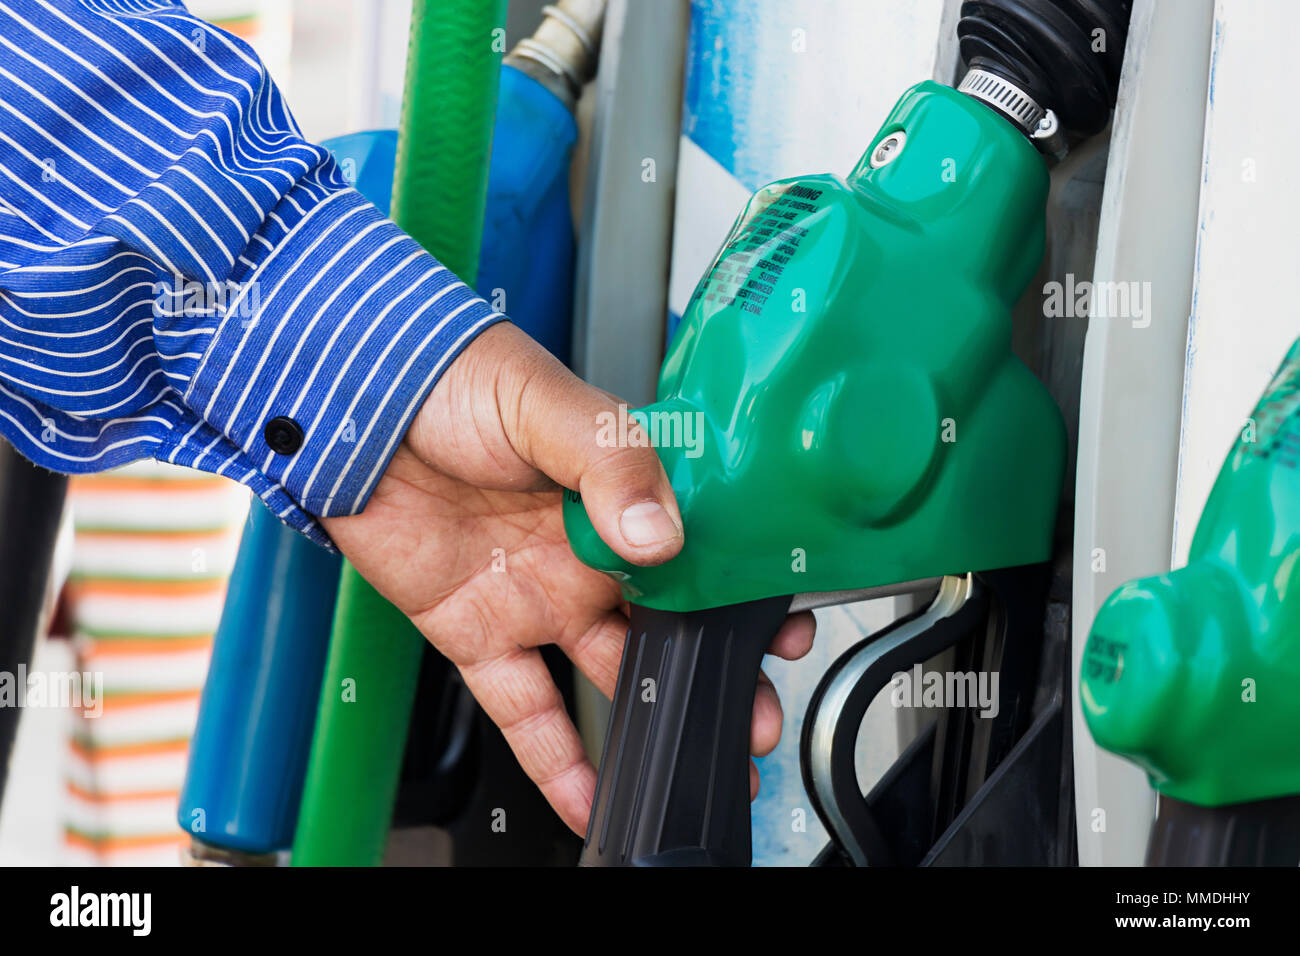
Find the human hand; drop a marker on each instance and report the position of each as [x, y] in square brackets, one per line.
[464, 535]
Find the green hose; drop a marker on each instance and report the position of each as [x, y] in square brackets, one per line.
[439, 192]
[444, 149]
[356, 755]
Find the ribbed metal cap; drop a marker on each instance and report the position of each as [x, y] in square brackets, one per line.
[1005, 97]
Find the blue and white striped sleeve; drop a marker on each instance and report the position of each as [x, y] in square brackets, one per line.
[183, 276]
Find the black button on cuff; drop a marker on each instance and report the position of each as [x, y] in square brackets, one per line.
[283, 435]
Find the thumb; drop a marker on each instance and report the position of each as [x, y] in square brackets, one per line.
[553, 420]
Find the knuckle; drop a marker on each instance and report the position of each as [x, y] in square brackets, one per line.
[627, 468]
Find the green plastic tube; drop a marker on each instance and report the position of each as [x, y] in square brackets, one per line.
[439, 192]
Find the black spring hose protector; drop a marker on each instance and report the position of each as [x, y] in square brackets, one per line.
[1052, 50]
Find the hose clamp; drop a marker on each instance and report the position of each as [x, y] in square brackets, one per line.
[1005, 97]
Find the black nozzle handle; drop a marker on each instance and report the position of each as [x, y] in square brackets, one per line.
[674, 775]
[1256, 833]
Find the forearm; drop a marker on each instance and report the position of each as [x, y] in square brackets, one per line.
[179, 268]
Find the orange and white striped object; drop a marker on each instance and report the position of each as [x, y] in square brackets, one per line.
[154, 548]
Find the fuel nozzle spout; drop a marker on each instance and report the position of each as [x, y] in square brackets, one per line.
[1050, 67]
[1191, 674]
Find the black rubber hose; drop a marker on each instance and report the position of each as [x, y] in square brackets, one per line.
[31, 505]
[1052, 50]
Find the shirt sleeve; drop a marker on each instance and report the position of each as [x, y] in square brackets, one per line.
[183, 276]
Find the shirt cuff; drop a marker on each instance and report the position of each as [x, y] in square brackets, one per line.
[334, 330]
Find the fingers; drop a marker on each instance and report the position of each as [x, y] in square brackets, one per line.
[795, 639]
[753, 781]
[765, 728]
[518, 694]
[556, 422]
[599, 651]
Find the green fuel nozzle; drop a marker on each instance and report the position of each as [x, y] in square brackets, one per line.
[1193, 674]
[844, 375]
[840, 411]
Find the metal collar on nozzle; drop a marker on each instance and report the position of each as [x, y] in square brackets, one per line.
[1005, 97]
[1039, 124]
[1051, 67]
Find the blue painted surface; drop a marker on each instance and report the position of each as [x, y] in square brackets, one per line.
[258, 711]
[722, 82]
